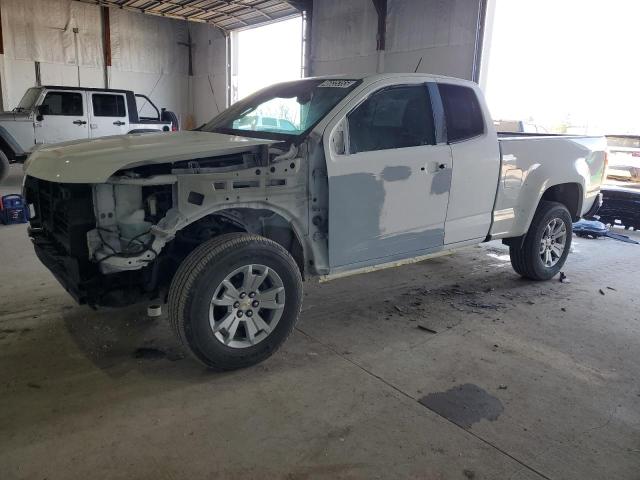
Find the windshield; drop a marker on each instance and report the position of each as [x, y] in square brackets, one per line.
[28, 99]
[283, 110]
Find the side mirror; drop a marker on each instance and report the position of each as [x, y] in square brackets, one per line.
[39, 114]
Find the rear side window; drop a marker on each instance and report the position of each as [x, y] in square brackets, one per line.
[462, 111]
[105, 105]
[395, 117]
[62, 103]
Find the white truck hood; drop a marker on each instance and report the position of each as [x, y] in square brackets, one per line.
[94, 161]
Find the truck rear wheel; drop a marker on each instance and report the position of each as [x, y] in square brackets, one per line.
[4, 166]
[546, 244]
[234, 300]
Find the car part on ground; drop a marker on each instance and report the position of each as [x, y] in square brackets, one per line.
[596, 229]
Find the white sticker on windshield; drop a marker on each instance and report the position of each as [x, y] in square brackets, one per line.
[337, 83]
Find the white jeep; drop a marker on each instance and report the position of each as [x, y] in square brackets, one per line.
[53, 114]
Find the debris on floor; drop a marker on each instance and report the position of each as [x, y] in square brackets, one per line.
[564, 278]
[426, 329]
[596, 229]
[150, 353]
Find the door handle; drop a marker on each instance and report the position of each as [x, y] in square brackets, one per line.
[79, 122]
[118, 123]
[435, 167]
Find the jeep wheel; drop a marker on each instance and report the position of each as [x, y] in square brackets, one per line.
[546, 244]
[235, 299]
[4, 166]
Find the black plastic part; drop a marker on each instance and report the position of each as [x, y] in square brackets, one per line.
[195, 198]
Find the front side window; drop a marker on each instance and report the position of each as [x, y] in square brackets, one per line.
[105, 105]
[395, 117]
[462, 112]
[62, 103]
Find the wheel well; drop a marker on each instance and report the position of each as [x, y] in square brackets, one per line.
[261, 222]
[6, 149]
[569, 194]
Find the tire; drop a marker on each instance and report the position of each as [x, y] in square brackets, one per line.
[169, 116]
[526, 258]
[239, 340]
[4, 166]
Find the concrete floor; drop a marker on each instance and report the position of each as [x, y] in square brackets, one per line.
[522, 380]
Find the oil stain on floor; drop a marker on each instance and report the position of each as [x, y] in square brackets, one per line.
[464, 405]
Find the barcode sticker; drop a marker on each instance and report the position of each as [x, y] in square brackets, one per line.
[337, 83]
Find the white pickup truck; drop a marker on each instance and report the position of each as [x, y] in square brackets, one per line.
[223, 223]
[51, 114]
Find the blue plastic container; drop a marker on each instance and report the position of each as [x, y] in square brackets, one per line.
[13, 210]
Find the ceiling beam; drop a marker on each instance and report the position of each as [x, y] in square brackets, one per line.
[381, 10]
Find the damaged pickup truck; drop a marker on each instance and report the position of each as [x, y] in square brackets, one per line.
[223, 223]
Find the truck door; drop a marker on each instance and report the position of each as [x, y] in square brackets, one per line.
[476, 156]
[108, 114]
[389, 185]
[61, 116]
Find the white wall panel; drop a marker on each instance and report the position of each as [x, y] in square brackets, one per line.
[42, 30]
[209, 83]
[18, 76]
[442, 32]
[343, 37]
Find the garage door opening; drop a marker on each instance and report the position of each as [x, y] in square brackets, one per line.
[265, 55]
[564, 67]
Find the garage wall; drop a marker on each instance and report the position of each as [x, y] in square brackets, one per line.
[146, 55]
[442, 32]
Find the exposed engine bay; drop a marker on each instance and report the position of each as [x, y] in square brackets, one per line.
[110, 243]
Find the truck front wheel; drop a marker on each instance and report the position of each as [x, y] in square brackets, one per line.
[235, 299]
[546, 245]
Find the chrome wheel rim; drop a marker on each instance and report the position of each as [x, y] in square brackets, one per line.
[247, 306]
[553, 242]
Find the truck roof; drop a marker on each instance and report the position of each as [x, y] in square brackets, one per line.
[371, 78]
[88, 89]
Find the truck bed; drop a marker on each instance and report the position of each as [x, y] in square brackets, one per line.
[529, 160]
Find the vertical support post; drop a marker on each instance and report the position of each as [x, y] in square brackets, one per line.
[477, 53]
[76, 30]
[106, 43]
[36, 64]
[381, 38]
[3, 78]
[482, 63]
[307, 24]
[227, 36]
